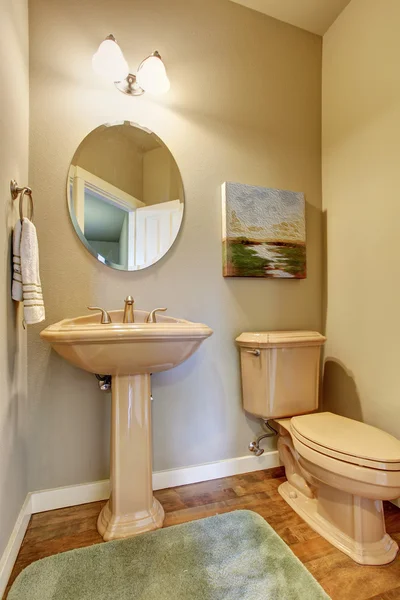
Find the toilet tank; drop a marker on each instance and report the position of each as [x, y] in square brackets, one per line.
[280, 372]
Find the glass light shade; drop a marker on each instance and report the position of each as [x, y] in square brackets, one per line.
[152, 76]
[109, 62]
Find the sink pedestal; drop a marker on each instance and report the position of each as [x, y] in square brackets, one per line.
[132, 508]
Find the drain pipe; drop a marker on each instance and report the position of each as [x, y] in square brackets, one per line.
[104, 382]
[270, 432]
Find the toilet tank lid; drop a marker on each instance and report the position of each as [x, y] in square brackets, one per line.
[279, 339]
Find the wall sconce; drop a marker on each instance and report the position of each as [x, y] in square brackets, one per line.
[110, 63]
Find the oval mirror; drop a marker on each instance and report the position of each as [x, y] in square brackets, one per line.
[125, 196]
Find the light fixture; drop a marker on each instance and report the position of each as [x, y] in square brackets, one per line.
[110, 63]
[152, 75]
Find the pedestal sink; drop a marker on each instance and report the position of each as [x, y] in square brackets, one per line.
[128, 352]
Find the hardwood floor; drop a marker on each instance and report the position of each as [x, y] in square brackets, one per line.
[75, 527]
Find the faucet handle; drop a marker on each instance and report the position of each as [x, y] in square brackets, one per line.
[105, 317]
[151, 317]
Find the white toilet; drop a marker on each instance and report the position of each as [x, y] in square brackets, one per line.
[338, 470]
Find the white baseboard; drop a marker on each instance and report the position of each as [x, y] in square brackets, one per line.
[69, 495]
[215, 470]
[14, 543]
[100, 490]
[83, 493]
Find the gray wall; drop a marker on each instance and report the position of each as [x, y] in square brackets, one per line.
[244, 106]
[14, 408]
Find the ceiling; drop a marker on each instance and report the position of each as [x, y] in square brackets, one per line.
[141, 138]
[313, 15]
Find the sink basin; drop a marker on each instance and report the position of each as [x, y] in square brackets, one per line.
[129, 352]
[121, 348]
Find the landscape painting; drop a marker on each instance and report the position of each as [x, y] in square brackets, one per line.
[264, 232]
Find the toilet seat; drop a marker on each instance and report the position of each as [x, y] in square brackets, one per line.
[347, 440]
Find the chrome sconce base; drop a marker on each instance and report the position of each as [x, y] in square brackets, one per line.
[129, 86]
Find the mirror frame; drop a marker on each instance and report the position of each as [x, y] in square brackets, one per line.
[78, 230]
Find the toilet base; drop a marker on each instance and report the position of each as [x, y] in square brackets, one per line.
[378, 552]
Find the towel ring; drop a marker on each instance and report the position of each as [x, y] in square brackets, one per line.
[28, 192]
[21, 192]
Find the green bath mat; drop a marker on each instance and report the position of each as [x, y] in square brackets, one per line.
[234, 556]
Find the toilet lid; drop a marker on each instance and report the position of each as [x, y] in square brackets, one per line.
[348, 440]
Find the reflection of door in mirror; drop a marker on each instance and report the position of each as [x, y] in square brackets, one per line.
[156, 227]
[125, 196]
[119, 227]
[105, 216]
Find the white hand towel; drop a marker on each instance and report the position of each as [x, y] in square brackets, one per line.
[16, 292]
[32, 295]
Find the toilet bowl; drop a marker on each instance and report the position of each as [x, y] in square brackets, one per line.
[338, 470]
[336, 491]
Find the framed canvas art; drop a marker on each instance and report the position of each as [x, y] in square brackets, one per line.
[263, 231]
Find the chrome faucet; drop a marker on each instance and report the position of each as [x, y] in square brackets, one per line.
[105, 317]
[151, 317]
[129, 315]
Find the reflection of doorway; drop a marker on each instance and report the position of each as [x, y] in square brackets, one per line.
[106, 217]
[104, 228]
[117, 226]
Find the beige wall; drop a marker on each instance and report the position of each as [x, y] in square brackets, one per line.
[161, 178]
[112, 156]
[241, 108]
[361, 154]
[14, 409]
